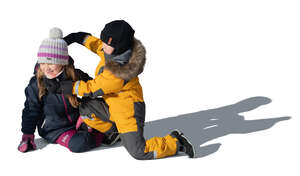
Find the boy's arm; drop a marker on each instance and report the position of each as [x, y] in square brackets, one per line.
[86, 39]
[105, 83]
[93, 43]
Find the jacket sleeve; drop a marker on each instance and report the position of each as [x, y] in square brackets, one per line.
[32, 111]
[93, 43]
[105, 83]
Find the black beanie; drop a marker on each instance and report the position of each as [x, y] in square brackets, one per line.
[118, 34]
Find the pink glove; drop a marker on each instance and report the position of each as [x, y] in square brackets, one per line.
[81, 122]
[27, 143]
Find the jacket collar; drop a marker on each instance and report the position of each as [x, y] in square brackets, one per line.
[121, 59]
[133, 67]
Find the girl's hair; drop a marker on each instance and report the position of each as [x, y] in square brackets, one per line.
[70, 72]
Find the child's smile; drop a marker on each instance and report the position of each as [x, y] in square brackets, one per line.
[51, 70]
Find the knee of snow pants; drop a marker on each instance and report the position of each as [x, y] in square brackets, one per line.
[82, 141]
[153, 148]
[95, 113]
[134, 143]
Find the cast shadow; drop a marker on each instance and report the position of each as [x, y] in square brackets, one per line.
[203, 126]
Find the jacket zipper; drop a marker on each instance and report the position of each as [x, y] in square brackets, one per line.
[66, 110]
[43, 124]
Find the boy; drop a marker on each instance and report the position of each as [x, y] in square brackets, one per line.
[116, 80]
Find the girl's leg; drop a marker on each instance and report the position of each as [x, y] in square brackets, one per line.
[65, 138]
[80, 141]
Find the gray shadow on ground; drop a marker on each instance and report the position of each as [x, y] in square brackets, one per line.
[40, 143]
[203, 126]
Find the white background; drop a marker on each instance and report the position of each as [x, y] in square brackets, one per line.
[200, 55]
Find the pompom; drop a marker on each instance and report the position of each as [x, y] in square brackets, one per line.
[56, 33]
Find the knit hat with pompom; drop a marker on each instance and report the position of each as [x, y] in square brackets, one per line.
[54, 50]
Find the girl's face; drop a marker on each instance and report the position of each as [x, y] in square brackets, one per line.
[51, 70]
[107, 49]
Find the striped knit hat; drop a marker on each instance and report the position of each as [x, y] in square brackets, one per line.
[54, 50]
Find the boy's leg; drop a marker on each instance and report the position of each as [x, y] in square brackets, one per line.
[156, 147]
[132, 128]
[98, 124]
[108, 129]
[95, 113]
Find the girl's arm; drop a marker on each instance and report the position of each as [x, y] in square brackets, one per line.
[31, 114]
[32, 111]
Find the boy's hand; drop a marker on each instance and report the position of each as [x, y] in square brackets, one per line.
[65, 87]
[62, 87]
[77, 37]
[51, 85]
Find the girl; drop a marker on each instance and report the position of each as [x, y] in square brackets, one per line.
[54, 115]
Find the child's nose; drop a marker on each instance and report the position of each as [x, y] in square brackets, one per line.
[47, 67]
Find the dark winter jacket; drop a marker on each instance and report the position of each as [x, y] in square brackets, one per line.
[53, 114]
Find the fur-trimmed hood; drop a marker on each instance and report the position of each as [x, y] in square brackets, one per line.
[135, 65]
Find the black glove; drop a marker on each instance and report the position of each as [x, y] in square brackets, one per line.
[51, 85]
[62, 87]
[65, 87]
[77, 37]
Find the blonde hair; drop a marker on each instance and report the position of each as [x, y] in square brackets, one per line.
[70, 72]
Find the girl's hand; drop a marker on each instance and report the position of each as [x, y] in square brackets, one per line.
[27, 143]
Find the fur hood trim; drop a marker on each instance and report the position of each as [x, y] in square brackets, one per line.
[134, 67]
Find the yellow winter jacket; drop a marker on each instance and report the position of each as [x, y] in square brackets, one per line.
[118, 85]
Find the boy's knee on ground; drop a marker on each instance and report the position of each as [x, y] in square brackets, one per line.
[135, 145]
[139, 156]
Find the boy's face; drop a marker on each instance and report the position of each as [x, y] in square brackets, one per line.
[51, 70]
[107, 49]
